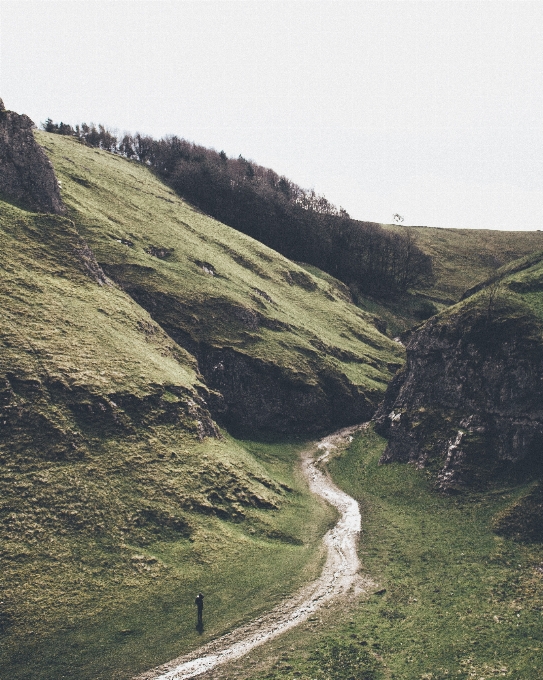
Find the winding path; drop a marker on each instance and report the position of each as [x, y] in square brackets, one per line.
[338, 577]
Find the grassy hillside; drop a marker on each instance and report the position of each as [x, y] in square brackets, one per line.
[119, 496]
[213, 288]
[115, 505]
[459, 576]
[131, 326]
[464, 257]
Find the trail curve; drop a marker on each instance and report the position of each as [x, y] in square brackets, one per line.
[338, 577]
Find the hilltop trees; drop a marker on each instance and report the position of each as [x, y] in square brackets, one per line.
[299, 223]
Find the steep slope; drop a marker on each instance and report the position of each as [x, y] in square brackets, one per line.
[470, 399]
[112, 468]
[286, 350]
[25, 172]
[119, 496]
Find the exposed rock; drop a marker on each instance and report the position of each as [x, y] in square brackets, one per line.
[470, 398]
[255, 394]
[26, 174]
[261, 395]
[62, 434]
[299, 278]
[159, 251]
[88, 260]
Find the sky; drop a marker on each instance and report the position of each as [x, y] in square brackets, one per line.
[433, 110]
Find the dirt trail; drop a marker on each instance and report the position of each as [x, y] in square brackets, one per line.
[338, 577]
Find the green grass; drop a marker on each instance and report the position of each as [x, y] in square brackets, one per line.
[118, 498]
[111, 603]
[458, 597]
[462, 258]
[465, 257]
[452, 600]
[118, 501]
[310, 322]
[114, 511]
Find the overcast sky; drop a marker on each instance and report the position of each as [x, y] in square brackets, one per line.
[430, 109]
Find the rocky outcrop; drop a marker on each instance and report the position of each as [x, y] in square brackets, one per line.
[248, 393]
[29, 420]
[263, 396]
[26, 173]
[469, 400]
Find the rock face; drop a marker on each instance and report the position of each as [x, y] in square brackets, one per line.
[260, 395]
[469, 400]
[26, 173]
[248, 394]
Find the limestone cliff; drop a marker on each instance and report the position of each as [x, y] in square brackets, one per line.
[26, 173]
[469, 401]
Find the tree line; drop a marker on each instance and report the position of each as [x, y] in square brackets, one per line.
[299, 223]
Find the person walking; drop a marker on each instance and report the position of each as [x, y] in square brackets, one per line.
[199, 602]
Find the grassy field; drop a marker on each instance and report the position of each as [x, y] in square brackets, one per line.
[119, 498]
[464, 257]
[452, 598]
[109, 604]
[218, 283]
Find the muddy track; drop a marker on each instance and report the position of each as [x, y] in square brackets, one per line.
[339, 577]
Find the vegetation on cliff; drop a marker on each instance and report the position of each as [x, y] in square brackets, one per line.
[469, 402]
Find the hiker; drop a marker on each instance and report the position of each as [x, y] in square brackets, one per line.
[199, 602]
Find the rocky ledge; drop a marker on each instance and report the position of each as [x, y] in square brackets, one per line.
[469, 401]
[26, 174]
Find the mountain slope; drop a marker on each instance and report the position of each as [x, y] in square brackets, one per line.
[119, 495]
[286, 349]
[465, 257]
[113, 475]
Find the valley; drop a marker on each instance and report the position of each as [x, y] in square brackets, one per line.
[161, 376]
[339, 579]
